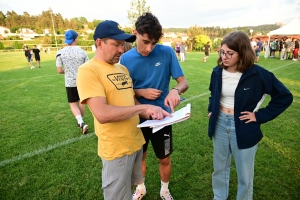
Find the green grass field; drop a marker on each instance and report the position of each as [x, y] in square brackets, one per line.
[44, 156]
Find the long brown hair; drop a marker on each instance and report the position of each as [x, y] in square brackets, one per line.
[239, 42]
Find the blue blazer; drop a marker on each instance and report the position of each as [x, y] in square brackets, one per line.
[253, 84]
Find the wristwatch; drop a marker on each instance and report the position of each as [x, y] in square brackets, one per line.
[175, 88]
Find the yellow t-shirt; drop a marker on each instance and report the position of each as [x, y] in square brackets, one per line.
[96, 78]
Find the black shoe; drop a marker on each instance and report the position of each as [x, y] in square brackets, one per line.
[84, 128]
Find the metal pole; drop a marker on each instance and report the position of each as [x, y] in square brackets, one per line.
[53, 30]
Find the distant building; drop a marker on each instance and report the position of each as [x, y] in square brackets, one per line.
[46, 31]
[4, 30]
[166, 41]
[27, 34]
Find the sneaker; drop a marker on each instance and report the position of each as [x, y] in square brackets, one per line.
[166, 195]
[138, 194]
[84, 128]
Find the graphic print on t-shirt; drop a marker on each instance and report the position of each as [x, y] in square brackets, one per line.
[120, 80]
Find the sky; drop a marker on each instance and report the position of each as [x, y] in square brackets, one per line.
[171, 13]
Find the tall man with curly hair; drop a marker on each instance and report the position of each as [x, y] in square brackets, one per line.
[151, 67]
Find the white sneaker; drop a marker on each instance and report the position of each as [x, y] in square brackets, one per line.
[138, 194]
[166, 195]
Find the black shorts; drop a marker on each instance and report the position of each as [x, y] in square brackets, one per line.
[37, 58]
[72, 94]
[206, 53]
[161, 141]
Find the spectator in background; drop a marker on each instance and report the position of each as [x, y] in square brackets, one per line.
[280, 46]
[37, 57]
[71, 57]
[296, 50]
[206, 51]
[253, 44]
[283, 55]
[257, 49]
[290, 48]
[177, 49]
[273, 48]
[182, 52]
[28, 56]
[127, 46]
[185, 51]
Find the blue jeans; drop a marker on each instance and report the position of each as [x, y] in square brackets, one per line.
[225, 145]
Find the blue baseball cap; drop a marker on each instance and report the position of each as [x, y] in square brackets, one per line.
[111, 29]
[70, 36]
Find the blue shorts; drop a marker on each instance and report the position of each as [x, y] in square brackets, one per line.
[28, 59]
[257, 53]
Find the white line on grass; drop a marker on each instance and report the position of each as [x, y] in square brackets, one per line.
[43, 150]
[281, 66]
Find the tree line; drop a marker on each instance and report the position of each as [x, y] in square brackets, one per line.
[14, 22]
[37, 23]
[197, 36]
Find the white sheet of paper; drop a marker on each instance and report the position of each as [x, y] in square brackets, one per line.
[178, 116]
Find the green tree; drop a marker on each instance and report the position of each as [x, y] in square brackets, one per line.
[46, 40]
[17, 45]
[127, 29]
[1, 45]
[2, 19]
[137, 8]
[200, 41]
[192, 32]
[96, 22]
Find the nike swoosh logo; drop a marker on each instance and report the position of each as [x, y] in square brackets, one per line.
[246, 88]
[167, 135]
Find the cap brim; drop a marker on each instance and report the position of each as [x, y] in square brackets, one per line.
[69, 41]
[124, 36]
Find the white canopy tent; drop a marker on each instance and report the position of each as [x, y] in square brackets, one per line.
[292, 28]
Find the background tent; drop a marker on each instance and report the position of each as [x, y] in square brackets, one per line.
[292, 28]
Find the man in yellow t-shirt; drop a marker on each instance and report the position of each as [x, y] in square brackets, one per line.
[106, 87]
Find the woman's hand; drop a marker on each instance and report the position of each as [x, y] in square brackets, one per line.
[249, 116]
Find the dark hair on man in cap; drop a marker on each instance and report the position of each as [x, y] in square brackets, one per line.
[149, 24]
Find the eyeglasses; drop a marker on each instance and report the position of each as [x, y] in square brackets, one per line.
[227, 55]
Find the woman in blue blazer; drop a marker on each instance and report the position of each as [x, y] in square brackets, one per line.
[237, 85]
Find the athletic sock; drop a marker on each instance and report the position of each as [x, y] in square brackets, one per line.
[79, 119]
[164, 186]
[142, 185]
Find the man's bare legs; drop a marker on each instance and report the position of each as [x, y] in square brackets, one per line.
[78, 111]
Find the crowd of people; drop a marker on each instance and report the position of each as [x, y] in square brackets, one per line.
[124, 85]
[285, 48]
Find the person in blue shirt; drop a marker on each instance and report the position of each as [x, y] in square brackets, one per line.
[257, 49]
[151, 66]
[237, 86]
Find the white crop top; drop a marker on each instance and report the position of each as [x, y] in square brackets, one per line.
[229, 84]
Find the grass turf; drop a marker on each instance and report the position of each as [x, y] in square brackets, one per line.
[44, 156]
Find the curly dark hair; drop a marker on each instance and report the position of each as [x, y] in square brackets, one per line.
[149, 24]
